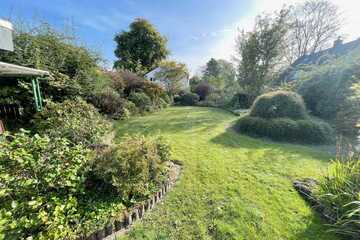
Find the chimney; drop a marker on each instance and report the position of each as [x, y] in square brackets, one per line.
[338, 42]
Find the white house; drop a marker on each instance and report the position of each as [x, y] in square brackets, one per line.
[151, 76]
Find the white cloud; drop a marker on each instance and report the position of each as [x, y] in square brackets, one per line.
[110, 21]
[224, 47]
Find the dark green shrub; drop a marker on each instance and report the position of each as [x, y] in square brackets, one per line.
[214, 99]
[316, 130]
[279, 104]
[75, 120]
[109, 102]
[325, 88]
[240, 101]
[285, 129]
[166, 97]
[161, 103]
[339, 193]
[40, 180]
[142, 101]
[131, 107]
[348, 114]
[134, 166]
[187, 99]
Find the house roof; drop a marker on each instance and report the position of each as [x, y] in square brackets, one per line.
[157, 69]
[12, 70]
[337, 50]
[318, 58]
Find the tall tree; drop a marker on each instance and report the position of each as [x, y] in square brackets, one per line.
[259, 52]
[219, 73]
[212, 68]
[194, 81]
[172, 75]
[314, 24]
[141, 48]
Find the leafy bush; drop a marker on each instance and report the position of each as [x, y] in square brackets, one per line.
[203, 90]
[325, 88]
[166, 97]
[131, 107]
[279, 104]
[40, 178]
[339, 193]
[240, 101]
[187, 99]
[117, 81]
[142, 101]
[109, 102]
[75, 120]
[133, 167]
[70, 65]
[348, 115]
[215, 99]
[285, 129]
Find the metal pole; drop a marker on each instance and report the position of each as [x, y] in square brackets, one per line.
[38, 94]
[34, 88]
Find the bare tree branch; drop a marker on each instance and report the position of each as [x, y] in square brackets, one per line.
[313, 25]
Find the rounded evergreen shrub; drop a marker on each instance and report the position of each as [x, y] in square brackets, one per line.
[187, 99]
[279, 104]
[240, 101]
[286, 129]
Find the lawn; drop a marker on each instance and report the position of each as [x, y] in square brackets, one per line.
[231, 186]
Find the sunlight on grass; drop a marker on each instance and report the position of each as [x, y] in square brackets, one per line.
[231, 186]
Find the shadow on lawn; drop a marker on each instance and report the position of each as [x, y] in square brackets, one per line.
[316, 229]
[170, 121]
[232, 139]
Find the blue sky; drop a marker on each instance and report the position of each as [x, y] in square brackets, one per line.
[196, 29]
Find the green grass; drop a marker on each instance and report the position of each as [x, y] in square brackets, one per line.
[231, 186]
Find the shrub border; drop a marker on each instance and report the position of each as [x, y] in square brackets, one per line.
[122, 225]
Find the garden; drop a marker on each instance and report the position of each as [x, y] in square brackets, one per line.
[265, 147]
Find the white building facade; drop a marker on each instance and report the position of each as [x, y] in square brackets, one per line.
[151, 76]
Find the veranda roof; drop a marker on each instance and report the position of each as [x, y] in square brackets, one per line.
[12, 70]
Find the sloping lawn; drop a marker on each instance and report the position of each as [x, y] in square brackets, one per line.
[231, 186]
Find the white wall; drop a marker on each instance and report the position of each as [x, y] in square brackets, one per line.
[151, 77]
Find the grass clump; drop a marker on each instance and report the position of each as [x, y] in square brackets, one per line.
[279, 104]
[339, 193]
